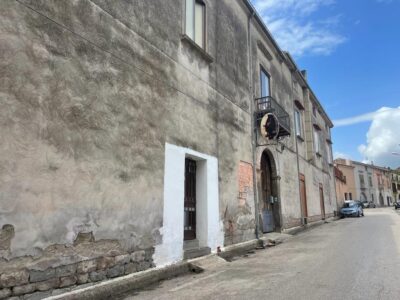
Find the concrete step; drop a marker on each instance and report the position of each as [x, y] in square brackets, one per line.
[208, 262]
[190, 244]
[196, 252]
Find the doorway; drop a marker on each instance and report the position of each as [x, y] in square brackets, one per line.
[321, 198]
[303, 198]
[269, 200]
[190, 200]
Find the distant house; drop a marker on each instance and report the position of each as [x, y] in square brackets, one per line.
[345, 181]
[367, 182]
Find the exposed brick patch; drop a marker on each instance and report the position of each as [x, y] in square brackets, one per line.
[245, 177]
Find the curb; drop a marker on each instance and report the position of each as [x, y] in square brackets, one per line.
[298, 229]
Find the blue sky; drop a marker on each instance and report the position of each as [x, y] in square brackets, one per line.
[351, 50]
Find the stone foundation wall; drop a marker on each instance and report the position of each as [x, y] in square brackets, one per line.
[29, 278]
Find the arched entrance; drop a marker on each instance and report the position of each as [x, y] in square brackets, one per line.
[269, 198]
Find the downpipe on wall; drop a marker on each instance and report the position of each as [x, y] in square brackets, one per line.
[253, 127]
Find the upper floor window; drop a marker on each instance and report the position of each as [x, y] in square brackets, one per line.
[195, 21]
[370, 180]
[329, 152]
[298, 123]
[264, 84]
[361, 177]
[298, 118]
[317, 142]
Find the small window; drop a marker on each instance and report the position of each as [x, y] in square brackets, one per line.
[345, 196]
[264, 84]
[361, 177]
[317, 144]
[195, 21]
[329, 153]
[370, 181]
[298, 123]
[350, 196]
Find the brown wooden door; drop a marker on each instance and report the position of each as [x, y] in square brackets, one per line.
[303, 196]
[321, 197]
[190, 200]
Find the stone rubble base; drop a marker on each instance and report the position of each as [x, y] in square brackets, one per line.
[31, 284]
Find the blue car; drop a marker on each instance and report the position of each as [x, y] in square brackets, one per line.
[352, 209]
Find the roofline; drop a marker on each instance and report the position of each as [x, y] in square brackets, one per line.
[305, 82]
[371, 166]
[285, 56]
[254, 12]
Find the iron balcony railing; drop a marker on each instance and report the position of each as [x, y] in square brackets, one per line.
[268, 104]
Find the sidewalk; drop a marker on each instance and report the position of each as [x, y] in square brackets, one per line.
[106, 289]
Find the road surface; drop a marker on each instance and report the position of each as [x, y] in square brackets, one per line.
[355, 258]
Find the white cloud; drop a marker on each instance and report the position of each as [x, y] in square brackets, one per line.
[290, 23]
[383, 138]
[360, 118]
[337, 154]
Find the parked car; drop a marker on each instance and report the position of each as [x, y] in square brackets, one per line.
[396, 205]
[352, 209]
[369, 204]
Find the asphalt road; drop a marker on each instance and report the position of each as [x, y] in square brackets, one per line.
[355, 258]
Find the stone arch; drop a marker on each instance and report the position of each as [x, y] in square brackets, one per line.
[269, 203]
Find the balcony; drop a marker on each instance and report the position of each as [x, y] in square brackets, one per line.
[267, 105]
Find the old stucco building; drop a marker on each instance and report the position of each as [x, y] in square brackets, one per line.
[365, 182]
[345, 181]
[129, 132]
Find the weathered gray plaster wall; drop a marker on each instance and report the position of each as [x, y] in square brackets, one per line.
[91, 90]
[90, 93]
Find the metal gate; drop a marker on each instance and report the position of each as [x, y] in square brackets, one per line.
[190, 200]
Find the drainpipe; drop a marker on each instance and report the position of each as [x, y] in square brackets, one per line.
[253, 127]
[297, 155]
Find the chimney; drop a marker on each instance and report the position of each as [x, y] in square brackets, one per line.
[304, 73]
